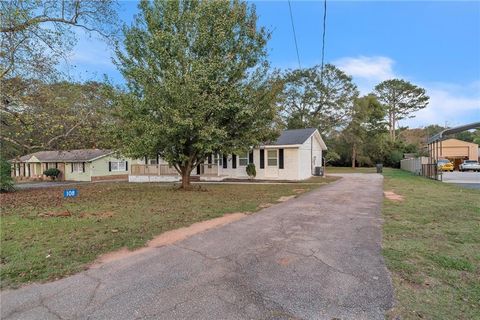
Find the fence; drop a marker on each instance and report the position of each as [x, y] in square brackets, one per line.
[430, 170]
[208, 169]
[153, 170]
[413, 164]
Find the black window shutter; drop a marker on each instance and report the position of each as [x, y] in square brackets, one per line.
[71, 163]
[126, 164]
[234, 161]
[250, 157]
[146, 160]
[262, 158]
[110, 166]
[83, 166]
[198, 169]
[56, 165]
[280, 158]
[225, 164]
[158, 159]
[209, 159]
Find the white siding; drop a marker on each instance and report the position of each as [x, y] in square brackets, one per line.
[310, 156]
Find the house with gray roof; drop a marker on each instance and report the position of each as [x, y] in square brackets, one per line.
[292, 156]
[74, 165]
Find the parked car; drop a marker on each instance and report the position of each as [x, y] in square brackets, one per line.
[445, 165]
[469, 165]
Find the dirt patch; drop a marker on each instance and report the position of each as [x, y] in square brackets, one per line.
[169, 237]
[55, 214]
[390, 195]
[285, 261]
[265, 205]
[298, 190]
[101, 214]
[285, 198]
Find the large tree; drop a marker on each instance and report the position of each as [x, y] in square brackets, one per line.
[60, 115]
[197, 82]
[401, 99]
[313, 99]
[364, 128]
[35, 34]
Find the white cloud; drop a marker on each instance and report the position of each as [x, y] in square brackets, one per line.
[368, 68]
[448, 105]
[453, 103]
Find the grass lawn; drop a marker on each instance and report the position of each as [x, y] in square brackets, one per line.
[350, 170]
[44, 236]
[432, 247]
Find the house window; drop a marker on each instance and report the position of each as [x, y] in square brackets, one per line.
[219, 160]
[243, 159]
[77, 167]
[272, 159]
[118, 165]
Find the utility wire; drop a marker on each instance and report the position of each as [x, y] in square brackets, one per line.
[323, 38]
[294, 34]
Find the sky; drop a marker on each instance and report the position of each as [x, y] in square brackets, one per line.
[433, 44]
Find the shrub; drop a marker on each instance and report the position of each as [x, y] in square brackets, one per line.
[6, 180]
[251, 170]
[52, 172]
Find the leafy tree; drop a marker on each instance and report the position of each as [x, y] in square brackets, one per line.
[367, 121]
[36, 34]
[197, 78]
[401, 99]
[312, 101]
[61, 115]
[6, 180]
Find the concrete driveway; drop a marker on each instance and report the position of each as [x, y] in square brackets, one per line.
[314, 257]
[467, 179]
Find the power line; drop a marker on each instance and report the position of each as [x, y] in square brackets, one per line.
[323, 37]
[294, 34]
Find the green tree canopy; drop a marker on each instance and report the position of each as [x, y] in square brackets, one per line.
[311, 100]
[197, 80]
[401, 99]
[60, 115]
[366, 125]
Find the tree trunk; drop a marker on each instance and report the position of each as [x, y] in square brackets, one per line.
[185, 171]
[354, 156]
[185, 180]
[393, 128]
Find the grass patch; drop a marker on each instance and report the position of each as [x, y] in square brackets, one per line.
[431, 245]
[44, 236]
[351, 170]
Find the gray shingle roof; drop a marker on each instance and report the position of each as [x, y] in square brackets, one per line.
[295, 136]
[67, 156]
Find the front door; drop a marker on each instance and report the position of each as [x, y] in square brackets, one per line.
[61, 166]
[271, 170]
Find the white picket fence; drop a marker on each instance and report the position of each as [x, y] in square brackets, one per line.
[413, 164]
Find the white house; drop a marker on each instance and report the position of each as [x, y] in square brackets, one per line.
[293, 156]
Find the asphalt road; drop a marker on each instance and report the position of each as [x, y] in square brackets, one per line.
[467, 179]
[314, 257]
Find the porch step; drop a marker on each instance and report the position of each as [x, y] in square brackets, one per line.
[194, 178]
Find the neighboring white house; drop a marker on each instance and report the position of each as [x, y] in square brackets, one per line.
[74, 165]
[293, 156]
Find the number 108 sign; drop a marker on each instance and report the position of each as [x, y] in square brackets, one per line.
[70, 193]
